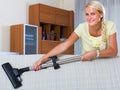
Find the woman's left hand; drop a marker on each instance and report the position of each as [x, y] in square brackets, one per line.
[88, 56]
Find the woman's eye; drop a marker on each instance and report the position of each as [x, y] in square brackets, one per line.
[86, 14]
[92, 13]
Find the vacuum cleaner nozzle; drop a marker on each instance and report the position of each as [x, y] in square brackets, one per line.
[14, 74]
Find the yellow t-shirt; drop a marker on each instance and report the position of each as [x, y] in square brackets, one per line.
[90, 42]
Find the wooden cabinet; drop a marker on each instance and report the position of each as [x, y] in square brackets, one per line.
[56, 26]
[24, 39]
[48, 45]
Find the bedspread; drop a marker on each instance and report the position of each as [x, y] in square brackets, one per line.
[99, 74]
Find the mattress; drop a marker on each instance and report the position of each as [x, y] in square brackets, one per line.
[99, 74]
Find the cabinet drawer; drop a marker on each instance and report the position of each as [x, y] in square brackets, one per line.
[48, 45]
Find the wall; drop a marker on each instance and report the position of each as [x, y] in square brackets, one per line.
[10, 13]
[64, 4]
[16, 12]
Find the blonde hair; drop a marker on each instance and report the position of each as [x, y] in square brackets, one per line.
[97, 5]
[100, 8]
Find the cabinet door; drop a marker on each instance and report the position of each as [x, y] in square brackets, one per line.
[47, 18]
[48, 45]
[62, 20]
[47, 14]
[31, 39]
[62, 17]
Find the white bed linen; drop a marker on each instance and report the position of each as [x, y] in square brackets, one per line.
[99, 74]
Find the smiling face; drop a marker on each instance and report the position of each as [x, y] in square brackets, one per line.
[93, 16]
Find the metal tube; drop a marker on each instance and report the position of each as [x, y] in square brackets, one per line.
[62, 61]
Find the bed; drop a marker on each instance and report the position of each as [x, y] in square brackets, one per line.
[99, 74]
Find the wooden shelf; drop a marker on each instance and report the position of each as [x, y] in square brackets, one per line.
[53, 22]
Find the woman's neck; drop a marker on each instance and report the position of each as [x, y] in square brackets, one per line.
[96, 27]
[95, 30]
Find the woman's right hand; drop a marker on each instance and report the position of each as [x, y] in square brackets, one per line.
[37, 65]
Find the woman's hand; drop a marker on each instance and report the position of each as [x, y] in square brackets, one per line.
[37, 66]
[88, 56]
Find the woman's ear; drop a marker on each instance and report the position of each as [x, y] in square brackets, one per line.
[101, 15]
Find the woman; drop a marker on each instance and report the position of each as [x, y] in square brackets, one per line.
[98, 37]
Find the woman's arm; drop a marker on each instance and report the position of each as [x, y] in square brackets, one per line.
[113, 48]
[109, 52]
[58, 49]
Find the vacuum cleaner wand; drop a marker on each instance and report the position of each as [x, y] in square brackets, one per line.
[14, 74]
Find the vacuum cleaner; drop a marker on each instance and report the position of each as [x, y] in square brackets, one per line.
[14, 74]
